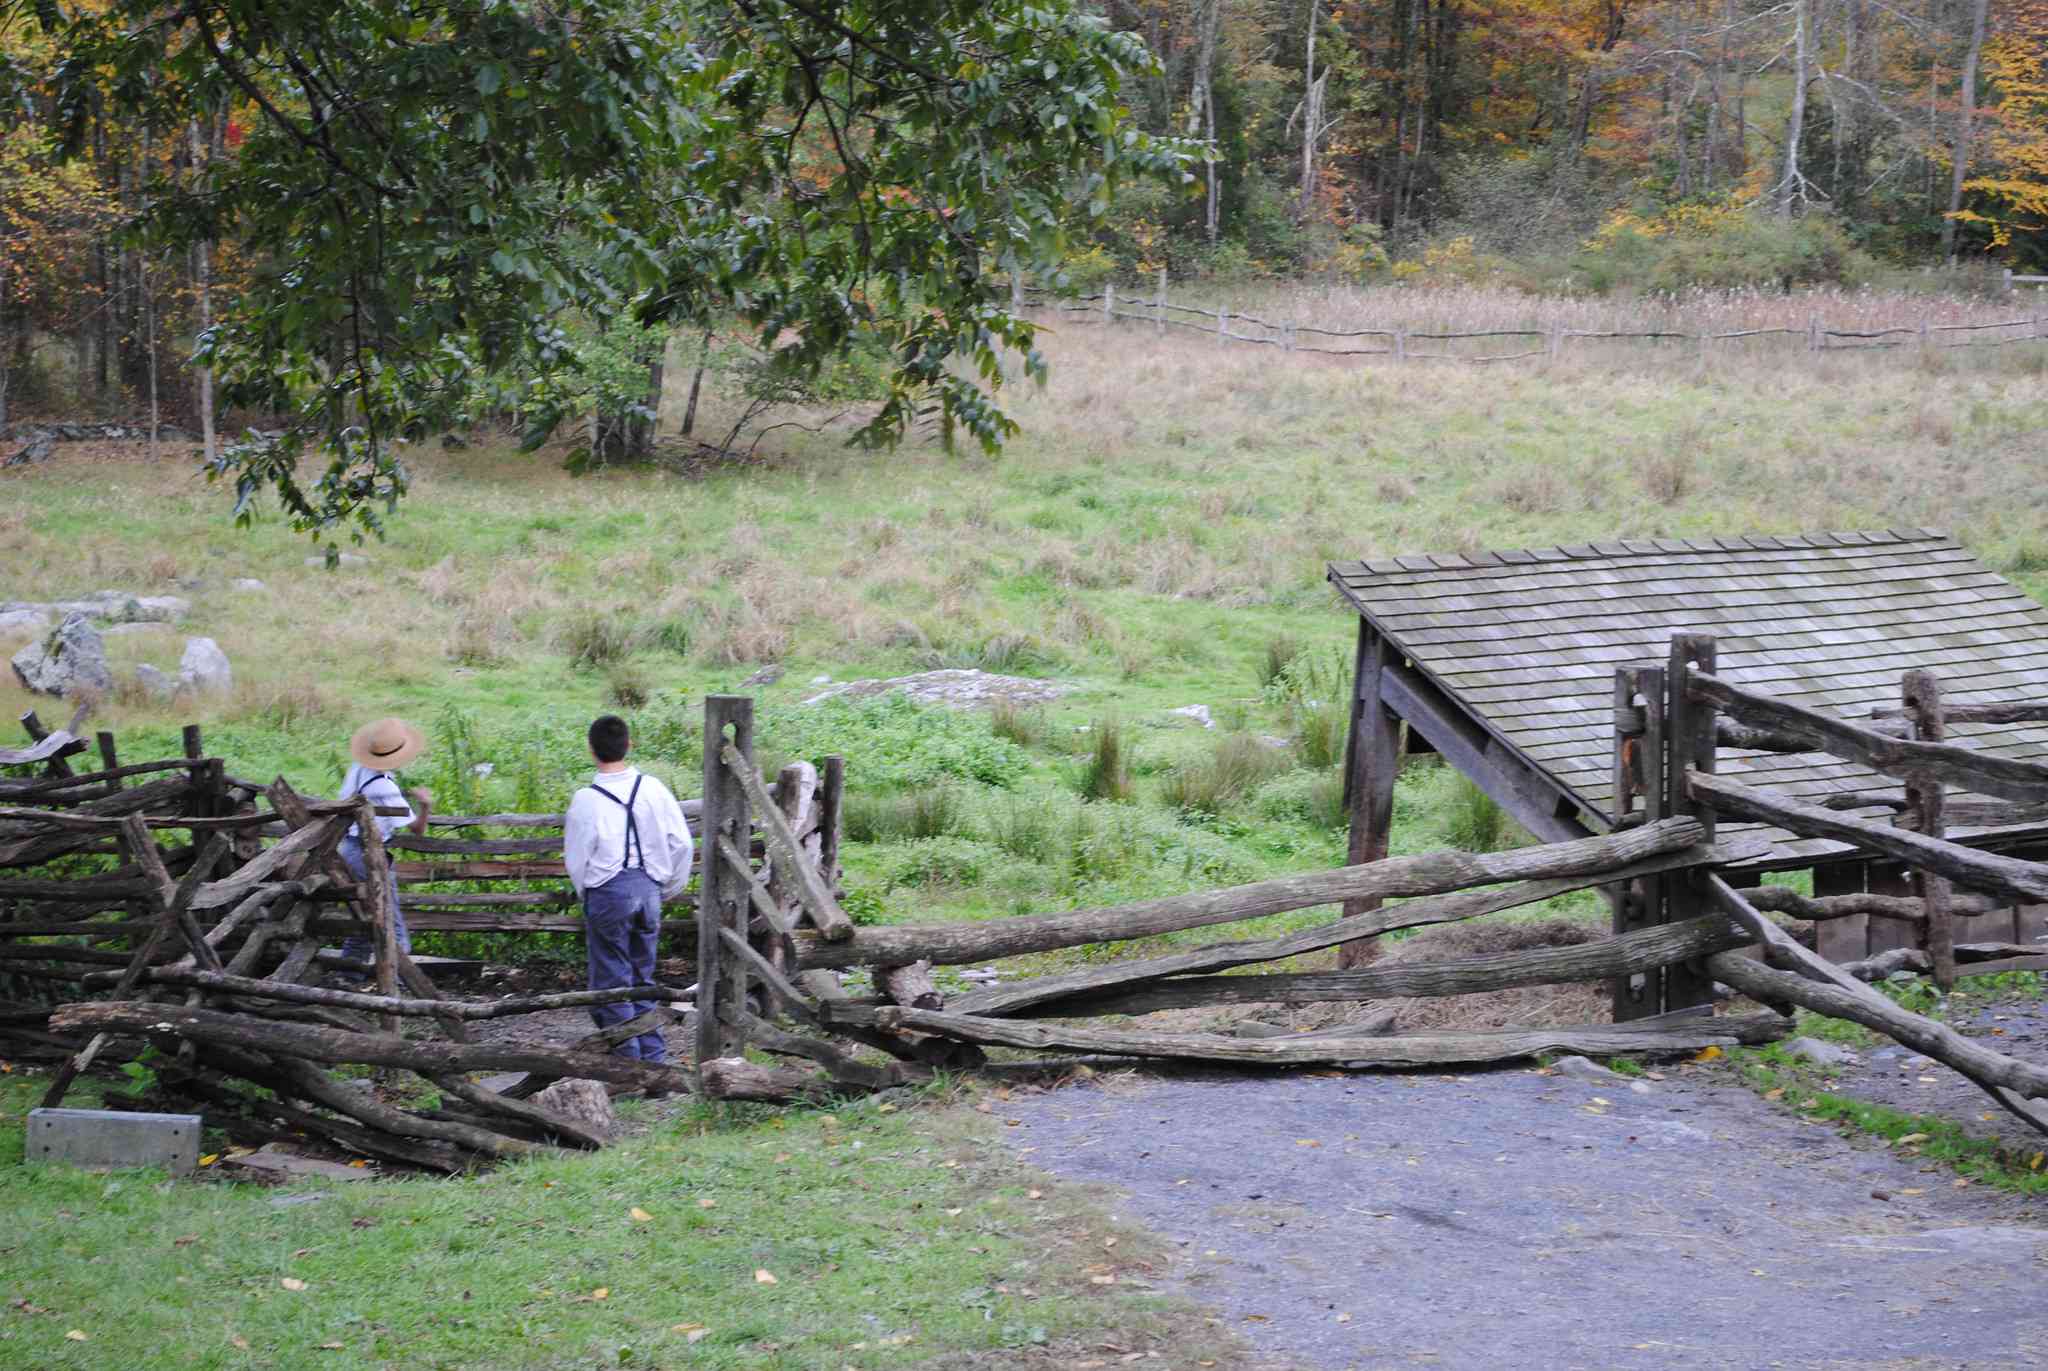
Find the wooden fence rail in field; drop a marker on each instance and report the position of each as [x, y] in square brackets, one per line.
[1107, 306]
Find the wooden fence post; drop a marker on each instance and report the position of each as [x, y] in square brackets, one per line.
[1372, 763]
[723, 894]
[1556, 341]
[2008, 280]
[1639, 774]
[1222, 325]
[1813, 338]
[377, 904]
[1109, 302]
[1926, 798]
[1400, 344]
[1923, 335]
[1690, 733]
[1159, 305]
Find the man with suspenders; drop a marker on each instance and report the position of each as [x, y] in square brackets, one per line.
[627, 848]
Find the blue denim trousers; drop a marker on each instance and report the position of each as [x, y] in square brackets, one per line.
[621, 928]
[359, 947]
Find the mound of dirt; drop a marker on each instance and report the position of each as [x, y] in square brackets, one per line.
[1535, 1006]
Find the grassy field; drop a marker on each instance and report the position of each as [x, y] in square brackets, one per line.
[1156, 539]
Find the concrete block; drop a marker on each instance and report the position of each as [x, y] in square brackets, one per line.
[100, 1139]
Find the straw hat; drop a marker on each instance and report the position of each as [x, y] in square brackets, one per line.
[387, 744]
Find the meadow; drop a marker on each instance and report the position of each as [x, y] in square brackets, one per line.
[1156, 538]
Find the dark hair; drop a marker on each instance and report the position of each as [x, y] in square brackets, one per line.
[609, 739]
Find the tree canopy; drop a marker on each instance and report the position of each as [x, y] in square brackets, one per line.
[429, 188]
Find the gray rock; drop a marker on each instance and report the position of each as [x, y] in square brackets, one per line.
[37, 451]
[1199, 713]
[72, 658]
[121, 607]
[204, 668]
[585, 1102]
[15, 623]
[158, 685]
[766, 676]
[958, 687]
[1584, 1069]
[248, 583]
[1819, 1053]
[345, 559]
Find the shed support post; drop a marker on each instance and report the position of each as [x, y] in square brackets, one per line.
[1690, 744]
[1372, 760]
[722, 900]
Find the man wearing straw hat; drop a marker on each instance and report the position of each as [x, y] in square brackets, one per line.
[378, 750]
[627, 847]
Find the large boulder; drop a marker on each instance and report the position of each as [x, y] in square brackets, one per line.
[204, 669]
[70, 660]
[160, 686]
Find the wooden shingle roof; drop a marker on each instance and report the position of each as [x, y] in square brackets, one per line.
[1526, 642]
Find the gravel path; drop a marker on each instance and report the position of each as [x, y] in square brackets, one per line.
[1510, 1219]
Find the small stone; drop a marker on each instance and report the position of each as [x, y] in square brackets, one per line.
[1199, 713]
[72, 658]
[585, 1102]
[821, 680]
[204, 668]
[248, 583]
[1641, 1087]
[1584, 1069]
[1819, 1053]
[1880, 1194]
[766, 676]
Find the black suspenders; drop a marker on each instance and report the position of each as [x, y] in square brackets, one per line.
[636, 852]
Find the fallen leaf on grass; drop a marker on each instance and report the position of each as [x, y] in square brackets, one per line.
[75, 1335]
[360, 1162]
[886, 1109]
[1913, 1190]
[1034, 1194]
[209, 1159]
[1306, 1142]
[692, 1332]
[707, 1204]
[781, 1157]
[292, 1283]
[601, 1293]
[1962, 1181]
[1775, 1094]
[763, 1276]
[185, 1241]
[1102, 1280]
[639, 1215]
[333, 1347]
[239, 1342]
[1909, 1139]
[953, 1213]
[1343, 1318]
[1708, 1054]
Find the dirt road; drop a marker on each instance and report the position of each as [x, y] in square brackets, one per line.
[1514, 1220]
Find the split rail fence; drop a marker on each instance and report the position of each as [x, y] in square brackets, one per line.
[1108, 306]
[771, 938]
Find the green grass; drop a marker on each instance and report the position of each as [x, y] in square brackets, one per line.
[895, 1236]
[1942, 1142]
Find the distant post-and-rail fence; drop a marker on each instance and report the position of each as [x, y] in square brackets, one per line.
[1228, 326]
[2012, 280]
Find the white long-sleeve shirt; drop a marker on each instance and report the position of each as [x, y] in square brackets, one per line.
[382, 792]
[594, 834]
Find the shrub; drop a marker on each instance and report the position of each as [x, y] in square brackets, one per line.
[671, 635]
[1106, 774]
[1471, 819]
[627, 687]
[938, 861]
[597, 640]
[1026, 825]
[1281, 650]
[1236, 767]
[891, 742]
[1309, 797]
[1023, 725]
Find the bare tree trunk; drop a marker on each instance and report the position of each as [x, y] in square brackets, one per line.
[1965, 118]
[696, 385]
[1202, 105]
[1791, 188]
[1311, 116]
[202, 290]
[148, 299]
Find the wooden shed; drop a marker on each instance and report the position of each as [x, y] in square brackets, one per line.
[1504, 662]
